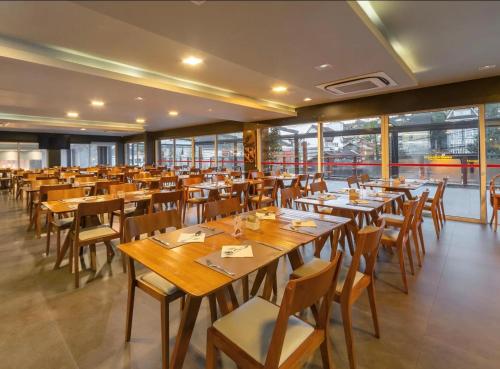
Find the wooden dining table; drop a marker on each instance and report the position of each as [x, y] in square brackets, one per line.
[407, 187]
[183, 266]
[71, 205]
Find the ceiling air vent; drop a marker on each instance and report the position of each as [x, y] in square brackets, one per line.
[361, 84]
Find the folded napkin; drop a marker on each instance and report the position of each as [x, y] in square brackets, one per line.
[326, 196]
[236, 251]
[270, 216]
[304, 223]
[191, 237]
[360, 201]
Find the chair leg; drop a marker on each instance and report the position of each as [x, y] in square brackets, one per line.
[410, 255]
[373, 307]
[496, 219]
[211, 354]
[213, 307]
[403, 269]
[441, 203]
[130, 311]
[76, 266]
[414, 233]
[436, 223]
[421, 236]
[164, 333]
[246, 293]
[47, 245]
[347, 322]
[326, 352]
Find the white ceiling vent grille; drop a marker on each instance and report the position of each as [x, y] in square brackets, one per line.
[361, 84]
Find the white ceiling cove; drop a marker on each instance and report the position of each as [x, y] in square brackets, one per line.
[57, 56]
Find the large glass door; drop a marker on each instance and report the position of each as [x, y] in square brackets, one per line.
[492, 115]
[438, 144]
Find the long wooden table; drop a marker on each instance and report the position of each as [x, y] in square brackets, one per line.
[179, 265]
[390, 185]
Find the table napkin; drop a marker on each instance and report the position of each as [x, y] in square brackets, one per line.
[236, 251]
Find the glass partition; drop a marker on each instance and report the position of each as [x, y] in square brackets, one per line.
[166, 157]
[492, 115]
[135, 153]
[230, 151]
[438, 144]
[80, 155]
[204, 152]
[9, 155]
[102, 153]
[290, 148]
[351, 147]
[24, 155]
[183, 152]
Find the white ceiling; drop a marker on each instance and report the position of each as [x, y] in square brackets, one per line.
[247, 47]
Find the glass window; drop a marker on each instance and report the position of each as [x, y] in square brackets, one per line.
[183, 152]
[135, 153]
[351, 147]
[80, 155]
[290, 148]
[204, 152]
[166, 153]
[492, 115]
[8, 155]
[22, 155]
[438, 144]
[64, 158]
[102, 153]
[230, 151]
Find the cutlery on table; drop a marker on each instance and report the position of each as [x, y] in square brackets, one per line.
[212, 265]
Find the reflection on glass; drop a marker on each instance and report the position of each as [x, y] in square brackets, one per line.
[351, 147]
[438, 144]
[183, 152]
[102, 153]
[135, 153]
[167, 154]
[80, 155]
[230, 150]
[22, 155]
[204, 152]
[290, 148]
[492, 112]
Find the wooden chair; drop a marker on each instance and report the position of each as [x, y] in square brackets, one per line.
[221, 208]
[302, 183]
[235, 174]
[288, 195]
[169, 183]
[494, 202]
[259, 334]
[166, 200]
[150, 282]
[123, 187]
[239, 191]
[60, 221]
[398, 237]
[266, 194]
[440, 205]
[39, 208]
[317, 177]
[190, 197]
[102, 187]
[416, 225]
[88, 214]
[320, 187]
[353, 282]
[351, 181]
[434, 208]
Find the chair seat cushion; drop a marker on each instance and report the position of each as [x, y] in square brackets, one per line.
[158, 282]
[311, 267]
[393, 218]
[197, 200]
[63, 222]
[251, 328]
[390, 234]
[343, 276]
[126, 211]
[97, 232]
[263, 199]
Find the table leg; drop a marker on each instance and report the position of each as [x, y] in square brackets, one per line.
[271, 270]
[295, 259]
[186, 326]
[64, 249]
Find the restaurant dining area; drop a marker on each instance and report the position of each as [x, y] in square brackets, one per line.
[249, 184]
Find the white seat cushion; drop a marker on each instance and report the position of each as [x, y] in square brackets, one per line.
[96, 232]
[63, 222]
[393, 218]
[251, 328]
[390, 234]
[160, 283]
[343, 276]
[311, 267]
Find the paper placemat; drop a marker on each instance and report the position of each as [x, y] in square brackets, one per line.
[321, 228]
[237, 267]
[169, 241]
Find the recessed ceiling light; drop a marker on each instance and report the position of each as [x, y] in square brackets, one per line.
[323, 67]
[173, 113]
[279, 89]
[138, 98]
[307, 99]
[486, 67]
[83, 129]
[192, 60]
[140, 120]
[210, 109]
[97, 103]
[72, 114]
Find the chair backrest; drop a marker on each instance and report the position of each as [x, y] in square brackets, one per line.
[219, 177]
[99, 207]
[125, 187]
[85, 179]
[288, 195]
[302, 181]
[102, 187]
[71, 193]
[235, 174]
[149, 223]
[493, 188]
[367, 245]
[409, 208]
[268, 187]
[222, 208]
[300, 294]
[352, 180]
[171, 199]
[169, 181]
[240, 191]
[318, 187]
[318, 176]
[364, 178]
[438, 194]
[420, 206]
[445, 183]
[256, 175]
[191, 181]
[45, 189]
[42, 182]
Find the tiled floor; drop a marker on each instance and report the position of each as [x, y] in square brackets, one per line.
[450, 319]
